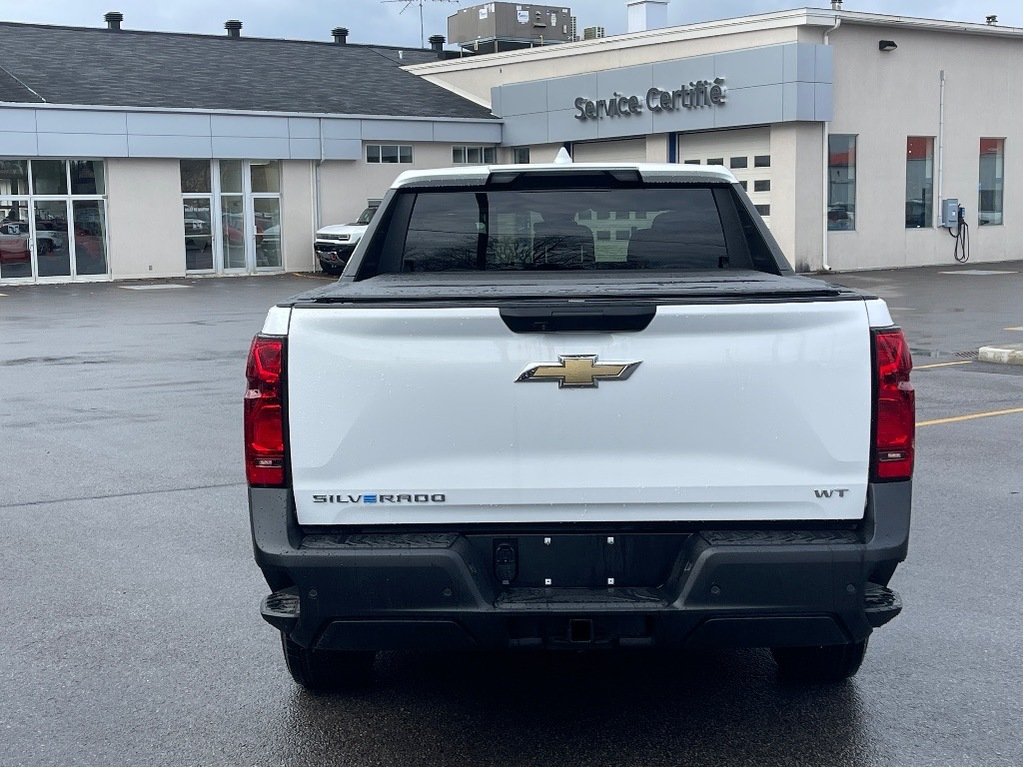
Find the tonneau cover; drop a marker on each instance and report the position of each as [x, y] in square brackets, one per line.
[498, 288]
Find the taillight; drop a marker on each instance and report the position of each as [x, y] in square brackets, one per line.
[264, 412]
[893, 444]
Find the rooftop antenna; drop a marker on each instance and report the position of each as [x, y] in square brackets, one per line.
[409, 3]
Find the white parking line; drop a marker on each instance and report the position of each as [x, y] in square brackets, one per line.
[980, 272]
[942, 365]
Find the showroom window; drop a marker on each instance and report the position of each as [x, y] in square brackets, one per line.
[920, 163]
[474, 155]
[388, 153]
[990, 182]
[53, 219]
[232, 215]
[197, 208]
[842, 182]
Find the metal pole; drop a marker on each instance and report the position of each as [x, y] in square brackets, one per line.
[942, 125]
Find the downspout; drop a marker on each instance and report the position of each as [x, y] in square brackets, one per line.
[824, 173]
[942, 126]
[317, 213]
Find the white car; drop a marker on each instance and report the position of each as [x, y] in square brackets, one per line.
[335, 242]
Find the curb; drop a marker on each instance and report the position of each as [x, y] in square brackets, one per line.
[1006, 354]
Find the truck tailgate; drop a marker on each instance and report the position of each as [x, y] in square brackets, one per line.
[736, 412]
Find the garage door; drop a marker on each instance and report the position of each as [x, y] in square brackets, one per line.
[747, 153]
[623, 150]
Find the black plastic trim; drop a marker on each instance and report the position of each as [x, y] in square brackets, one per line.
[749, 585]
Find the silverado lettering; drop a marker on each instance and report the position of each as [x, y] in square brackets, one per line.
[383, 498]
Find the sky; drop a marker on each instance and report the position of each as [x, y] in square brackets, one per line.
[397, 22]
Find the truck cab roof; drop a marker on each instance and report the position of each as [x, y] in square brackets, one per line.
[649, 172]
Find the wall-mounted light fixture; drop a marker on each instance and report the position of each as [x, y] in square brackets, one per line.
[887, 45]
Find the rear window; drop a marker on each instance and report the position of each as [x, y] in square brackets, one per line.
[674, 228]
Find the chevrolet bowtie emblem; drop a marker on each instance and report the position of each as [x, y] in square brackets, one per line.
[577, 371]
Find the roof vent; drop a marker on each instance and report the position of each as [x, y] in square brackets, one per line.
[340, 35]
[437, 44]
[991, 19]
[234, 27]
[113, 19]
[837, 5]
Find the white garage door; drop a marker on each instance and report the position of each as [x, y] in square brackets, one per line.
[747, 153]
[624, 150]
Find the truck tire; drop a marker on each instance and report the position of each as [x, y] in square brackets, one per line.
[325, 671]
[820, 663]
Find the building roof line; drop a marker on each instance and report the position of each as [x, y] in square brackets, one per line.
[243, 112]
[820, 17]
[211, 36]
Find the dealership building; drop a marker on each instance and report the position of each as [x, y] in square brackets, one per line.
[140, 154]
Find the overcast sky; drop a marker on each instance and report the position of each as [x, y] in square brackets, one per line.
[396, 22]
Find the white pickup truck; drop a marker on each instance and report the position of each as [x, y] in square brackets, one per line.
[577, 406]
[333, 244]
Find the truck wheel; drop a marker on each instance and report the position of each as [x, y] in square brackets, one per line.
[325, 671]
[820, 663]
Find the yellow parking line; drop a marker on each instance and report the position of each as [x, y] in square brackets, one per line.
[968, 416]
[942, 365]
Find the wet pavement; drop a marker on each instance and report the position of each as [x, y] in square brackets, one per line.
[132, 633]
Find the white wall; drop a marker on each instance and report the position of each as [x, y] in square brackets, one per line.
[345, 185]
[297, 215]
[796, 197]
[885, 97]
[146, 230]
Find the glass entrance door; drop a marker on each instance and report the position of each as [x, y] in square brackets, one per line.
[53, 244]
[15, 240]
[233, 236]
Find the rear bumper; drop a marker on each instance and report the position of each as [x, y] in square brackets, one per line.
[684, 587]
[333, 254]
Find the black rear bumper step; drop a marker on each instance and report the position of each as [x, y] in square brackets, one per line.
[581, 599]
[282, 609]
[881, 604]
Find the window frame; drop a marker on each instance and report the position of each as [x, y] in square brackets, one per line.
[485, 151]
[849, 183]
[400, 151]
[1000, 177]
[31, 197]
[928, 201]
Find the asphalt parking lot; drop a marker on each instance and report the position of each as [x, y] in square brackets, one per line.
[131, 630]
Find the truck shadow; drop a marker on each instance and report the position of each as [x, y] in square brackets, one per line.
[649, 708]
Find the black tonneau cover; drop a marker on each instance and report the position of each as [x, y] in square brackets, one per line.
[497, 288]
